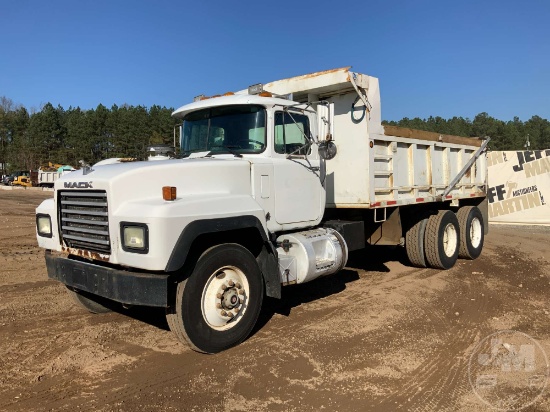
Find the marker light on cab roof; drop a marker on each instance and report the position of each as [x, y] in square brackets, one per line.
[256, 88]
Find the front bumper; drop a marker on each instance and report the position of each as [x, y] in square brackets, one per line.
[132, 288]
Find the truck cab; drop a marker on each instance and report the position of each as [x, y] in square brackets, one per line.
[276, 138]
[250, 169]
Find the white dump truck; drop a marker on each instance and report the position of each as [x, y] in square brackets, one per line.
[47, 175]
[274, 186]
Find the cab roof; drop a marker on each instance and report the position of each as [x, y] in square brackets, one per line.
[229, 100]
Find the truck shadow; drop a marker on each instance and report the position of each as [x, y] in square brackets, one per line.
[153, 316]
[372, 259]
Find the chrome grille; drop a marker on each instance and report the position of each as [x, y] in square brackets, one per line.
[84, 220]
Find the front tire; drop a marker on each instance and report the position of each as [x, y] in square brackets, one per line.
[217, 306]
[441, 240]
[470, 221]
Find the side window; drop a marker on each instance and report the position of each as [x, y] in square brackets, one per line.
[290, 132]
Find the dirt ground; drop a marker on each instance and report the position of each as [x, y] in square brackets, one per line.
[379, 336]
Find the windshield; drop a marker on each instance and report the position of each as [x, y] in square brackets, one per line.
[225, 129]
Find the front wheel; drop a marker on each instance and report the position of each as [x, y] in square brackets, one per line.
[217, 306]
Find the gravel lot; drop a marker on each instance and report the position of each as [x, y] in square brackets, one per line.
[378, 336]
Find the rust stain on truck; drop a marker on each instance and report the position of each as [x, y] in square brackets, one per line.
[88, 254]
[315, 74]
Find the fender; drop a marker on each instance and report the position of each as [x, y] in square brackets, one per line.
[167, 221]
[267, 259]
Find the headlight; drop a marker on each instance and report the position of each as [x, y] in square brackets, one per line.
[134, 237]
[44, 225]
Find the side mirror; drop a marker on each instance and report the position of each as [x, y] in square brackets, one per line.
[327, 150]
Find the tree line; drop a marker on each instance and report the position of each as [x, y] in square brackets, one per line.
[505, 135]
[53, 134]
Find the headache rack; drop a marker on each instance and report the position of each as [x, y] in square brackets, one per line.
[84, 220]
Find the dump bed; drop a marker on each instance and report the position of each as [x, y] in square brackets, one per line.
[376, 165]
[47, 178]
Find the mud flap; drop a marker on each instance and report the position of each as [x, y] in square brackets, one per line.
[484, 208]
[268, 263]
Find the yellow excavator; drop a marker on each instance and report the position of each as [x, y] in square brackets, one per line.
[22, 181]
[50, 167]
[21, 178]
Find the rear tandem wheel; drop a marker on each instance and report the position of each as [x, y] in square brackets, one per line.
[441, 240]
[414, 244]
[470, 221]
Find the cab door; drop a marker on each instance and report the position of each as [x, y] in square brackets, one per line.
[299, 193]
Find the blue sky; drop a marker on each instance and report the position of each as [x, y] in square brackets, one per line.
[439, 58]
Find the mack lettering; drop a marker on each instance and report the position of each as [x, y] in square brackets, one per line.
[78, 185]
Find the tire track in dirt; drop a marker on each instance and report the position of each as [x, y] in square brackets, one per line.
[363, 339]
[445, 372]
[163, 378]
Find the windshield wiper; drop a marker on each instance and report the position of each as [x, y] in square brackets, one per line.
[228, 148]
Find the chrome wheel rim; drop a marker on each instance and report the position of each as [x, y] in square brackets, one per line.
[225, 298]
[476, 232]
[450, 240]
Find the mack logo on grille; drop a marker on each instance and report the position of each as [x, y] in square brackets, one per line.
[78, 185]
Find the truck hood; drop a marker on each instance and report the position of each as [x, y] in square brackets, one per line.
[144, 180]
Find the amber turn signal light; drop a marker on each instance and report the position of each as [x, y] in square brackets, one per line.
[169, 193]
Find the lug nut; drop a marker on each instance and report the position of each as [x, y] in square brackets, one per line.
[224, 287]
[230, 314]
[241, 300]
[236, 310]
[218, 305]
[219, 295]
[241, 292]
[223, 313]
[231, 283]
[238, 285]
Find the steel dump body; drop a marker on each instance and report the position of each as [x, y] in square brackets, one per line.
[413, 170]
[47, 178]
[376, 165]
